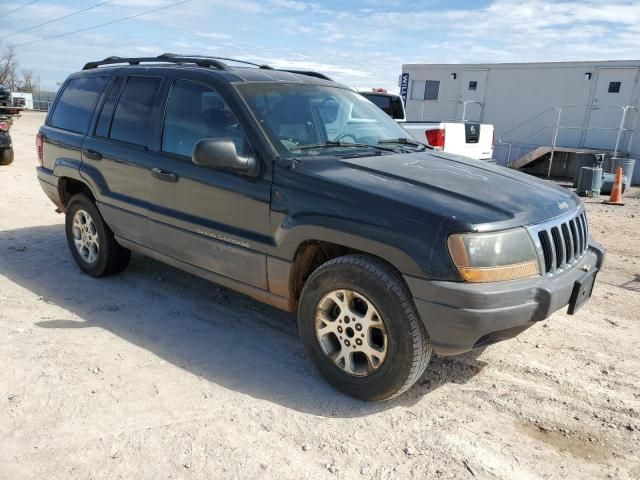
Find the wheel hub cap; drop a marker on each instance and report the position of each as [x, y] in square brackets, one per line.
[85, 236]
[351, 333]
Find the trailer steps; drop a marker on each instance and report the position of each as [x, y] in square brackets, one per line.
[543, 151]
[562, 164]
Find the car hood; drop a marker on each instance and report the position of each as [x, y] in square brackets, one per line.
[476, 194]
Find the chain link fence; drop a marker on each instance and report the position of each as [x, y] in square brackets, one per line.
[43, 100]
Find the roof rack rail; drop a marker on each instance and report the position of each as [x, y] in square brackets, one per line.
[166, 58]
[308, 73]
[200, 60]
[262, 66]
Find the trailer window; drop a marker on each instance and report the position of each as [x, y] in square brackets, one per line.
[614, 87]
[473, 85]
[417, 89]
[431, 89]
[425, 89]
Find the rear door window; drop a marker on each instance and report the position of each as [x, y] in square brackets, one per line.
[104, 121]
[75, 107]
[133, 115]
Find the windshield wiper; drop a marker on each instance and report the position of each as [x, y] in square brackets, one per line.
[334, 144]
[404, 141]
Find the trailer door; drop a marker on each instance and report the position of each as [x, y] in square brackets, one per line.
[614, 88]
[473, 85]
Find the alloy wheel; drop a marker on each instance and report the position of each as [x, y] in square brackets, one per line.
[351, 332]
[85, 236]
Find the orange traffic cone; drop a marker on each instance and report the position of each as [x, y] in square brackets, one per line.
[616, 191]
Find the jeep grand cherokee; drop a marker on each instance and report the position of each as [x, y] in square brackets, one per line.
[303, 194]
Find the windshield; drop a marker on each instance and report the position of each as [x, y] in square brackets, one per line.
[310, 120]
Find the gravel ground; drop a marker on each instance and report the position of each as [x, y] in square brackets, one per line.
[158, 374]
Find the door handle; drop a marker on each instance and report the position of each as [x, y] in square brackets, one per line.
[164, 175]
[92, 154]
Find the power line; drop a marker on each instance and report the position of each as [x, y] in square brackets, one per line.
[104, 24]
[56, 19]
[20, 8]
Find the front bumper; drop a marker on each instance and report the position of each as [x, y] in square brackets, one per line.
[461, 316]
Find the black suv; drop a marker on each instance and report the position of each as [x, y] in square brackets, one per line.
[5, 96]
[303, 194]
[6, 146]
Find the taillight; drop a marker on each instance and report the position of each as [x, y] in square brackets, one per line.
[4, 126]
[436, 138]
[40, 148]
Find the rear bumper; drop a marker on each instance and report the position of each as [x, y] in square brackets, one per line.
[49, 183]
[461, 316]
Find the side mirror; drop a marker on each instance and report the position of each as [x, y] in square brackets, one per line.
[221, 154]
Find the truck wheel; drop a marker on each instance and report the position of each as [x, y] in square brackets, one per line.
[91, 241]
[360, 328]
[6, 156]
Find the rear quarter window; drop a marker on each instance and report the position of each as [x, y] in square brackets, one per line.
[75, 107]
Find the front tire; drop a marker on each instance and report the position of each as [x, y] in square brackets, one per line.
[360, 328]
[91, 241]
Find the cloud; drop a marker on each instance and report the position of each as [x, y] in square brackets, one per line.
[356, 42]
[308, 64]
[214, 35]
[289, 4]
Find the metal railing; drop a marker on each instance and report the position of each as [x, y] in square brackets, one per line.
[464, 104]
[41, 106]
[464, 108]
[556, 127]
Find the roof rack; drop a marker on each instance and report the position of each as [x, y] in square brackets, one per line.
[262, 66]
[165, 58]
[200, 60]
[308, 73]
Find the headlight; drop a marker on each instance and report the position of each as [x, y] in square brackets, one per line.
[494, 257]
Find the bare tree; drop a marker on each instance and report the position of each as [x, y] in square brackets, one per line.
[8, 66]
[27, 82]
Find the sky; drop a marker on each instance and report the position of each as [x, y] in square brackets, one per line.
[361, 43]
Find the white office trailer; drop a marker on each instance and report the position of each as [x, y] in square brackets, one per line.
[22, 99]
[538, 109]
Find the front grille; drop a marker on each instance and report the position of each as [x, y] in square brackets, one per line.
[562, 243]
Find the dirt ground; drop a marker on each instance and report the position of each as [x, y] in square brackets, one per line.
[155, 373]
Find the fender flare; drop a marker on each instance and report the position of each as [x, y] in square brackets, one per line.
[383, 243]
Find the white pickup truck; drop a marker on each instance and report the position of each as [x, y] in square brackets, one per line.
[471, 139]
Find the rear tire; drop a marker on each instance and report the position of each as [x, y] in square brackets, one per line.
[6, 156]
[381, 366]
[91, 241]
